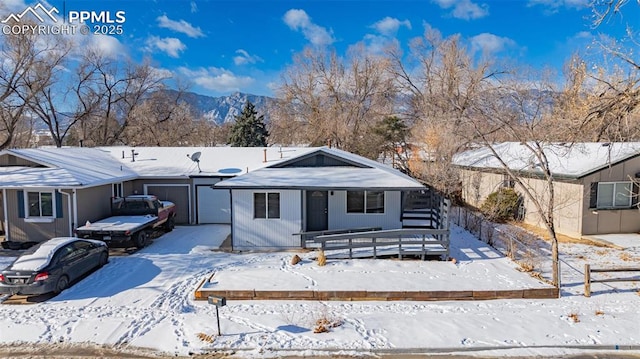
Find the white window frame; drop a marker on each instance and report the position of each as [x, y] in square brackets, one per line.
[614, 195]
[117, 190]
[384, 204]
[266, 205]
[28, 216]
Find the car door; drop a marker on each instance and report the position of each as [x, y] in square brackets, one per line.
[86, 258]
[70, 261]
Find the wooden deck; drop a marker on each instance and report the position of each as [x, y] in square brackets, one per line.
[401, 242]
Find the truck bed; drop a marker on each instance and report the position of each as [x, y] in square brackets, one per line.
[119, 223]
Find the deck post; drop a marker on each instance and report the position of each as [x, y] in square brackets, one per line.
[350, 248]
[587, 280]
[374, 248]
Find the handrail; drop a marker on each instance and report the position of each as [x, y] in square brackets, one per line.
[389, 233]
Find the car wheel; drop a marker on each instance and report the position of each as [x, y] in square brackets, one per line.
[61, 284]
[142, 239]
[171, 223]
[104, 259]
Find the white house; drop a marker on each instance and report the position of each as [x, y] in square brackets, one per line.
[325, 189]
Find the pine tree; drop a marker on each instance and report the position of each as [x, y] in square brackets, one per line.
[249, 129]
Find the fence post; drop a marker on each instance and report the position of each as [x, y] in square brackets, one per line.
[587, 280]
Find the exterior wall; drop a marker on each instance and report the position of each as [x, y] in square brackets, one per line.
[22, 230]
[255, 234]
[605, 221]
[93, 204]
[476, 186]
[11, 160]
[340, 219]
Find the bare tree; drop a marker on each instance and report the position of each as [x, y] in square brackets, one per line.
[327, 99]
[109, 94]
[24, 70]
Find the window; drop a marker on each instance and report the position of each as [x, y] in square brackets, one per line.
[614, 194]
[116, 190]
[365, 201]
[266, 205]
[40, 204]
[508, 182]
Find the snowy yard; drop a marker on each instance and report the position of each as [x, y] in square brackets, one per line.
[146, 300]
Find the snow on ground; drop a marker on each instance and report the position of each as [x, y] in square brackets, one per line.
[146, 300]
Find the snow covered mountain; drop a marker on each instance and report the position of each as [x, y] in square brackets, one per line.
[224, 109]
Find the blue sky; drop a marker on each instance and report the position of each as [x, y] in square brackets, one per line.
[224, 46]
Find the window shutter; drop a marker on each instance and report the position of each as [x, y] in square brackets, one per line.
[593, 195]
[21, 204]
[59, 213]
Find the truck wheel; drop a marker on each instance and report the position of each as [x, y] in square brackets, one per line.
[170, 225]
[142, 239]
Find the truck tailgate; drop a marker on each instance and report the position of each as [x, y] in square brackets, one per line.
[119, 223]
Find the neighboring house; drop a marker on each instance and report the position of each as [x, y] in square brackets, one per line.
[326, 189]
[595, 184]
[48, 192]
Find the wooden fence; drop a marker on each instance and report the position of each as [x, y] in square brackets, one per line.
[587, 276]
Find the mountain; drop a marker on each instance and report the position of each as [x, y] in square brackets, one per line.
[224, 109]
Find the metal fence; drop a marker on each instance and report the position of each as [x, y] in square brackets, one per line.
[523, 247]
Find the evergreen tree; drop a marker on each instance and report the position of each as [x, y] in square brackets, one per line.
[249, 129]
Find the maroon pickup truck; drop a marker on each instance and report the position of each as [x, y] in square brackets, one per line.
[134, 219]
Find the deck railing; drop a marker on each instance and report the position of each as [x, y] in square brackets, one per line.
[422, 242]
[588, 280]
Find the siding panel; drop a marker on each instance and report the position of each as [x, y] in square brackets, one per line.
[20, 230]
[256, 234]
[340, 219]
[93, 204]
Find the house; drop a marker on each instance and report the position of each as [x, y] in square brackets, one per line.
[326, 189]
[595, 184]
[48, 192]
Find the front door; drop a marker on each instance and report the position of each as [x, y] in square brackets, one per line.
[317, 211]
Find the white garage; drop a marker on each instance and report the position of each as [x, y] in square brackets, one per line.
[214, 205]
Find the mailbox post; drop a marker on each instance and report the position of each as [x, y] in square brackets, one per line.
[218, 302]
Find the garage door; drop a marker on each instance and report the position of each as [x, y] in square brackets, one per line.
[214, 205]
[176, 194]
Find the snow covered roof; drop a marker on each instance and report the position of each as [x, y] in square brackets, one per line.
[575, 161]
[175, 162]
[372, 175]
[63, 167]
[41, 257]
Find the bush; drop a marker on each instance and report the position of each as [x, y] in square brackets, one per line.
[501, 205]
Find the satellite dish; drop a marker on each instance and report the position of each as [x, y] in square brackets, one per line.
[195, 157]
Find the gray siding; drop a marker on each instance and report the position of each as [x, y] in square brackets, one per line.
[604, 221]
[11, 160]
[21, 230]
[93, 204]
[250, 234]
[340, 219]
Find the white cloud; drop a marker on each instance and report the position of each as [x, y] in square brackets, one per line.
[298, 20]
[490, 43]
[389, 26]
[553, 6]
[169, 45]
[243, 58]
[216, 79]
[179, 26]
[464, 9]
[108, 46]
[194, 7]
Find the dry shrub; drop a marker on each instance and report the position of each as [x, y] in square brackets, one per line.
[602, 252]
[574, 316]
[626, 257]
[322, 259]
[453, 260]
[599, 312]
[324, 325]
[206, 337]
[295, 260]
